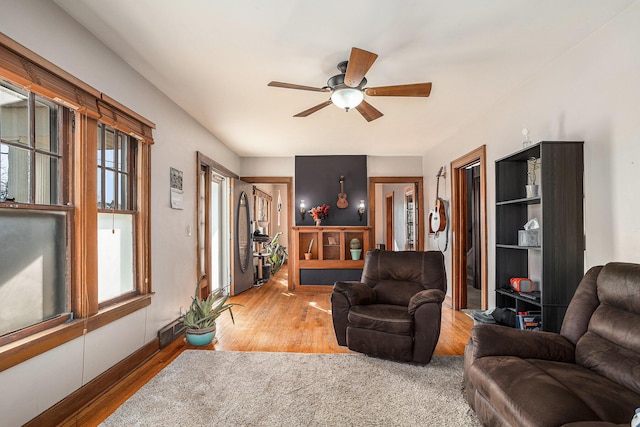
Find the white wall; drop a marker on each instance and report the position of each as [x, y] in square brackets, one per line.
[284, 223]
[394, 166]
[588, 94]
[268, 166]
[35, 385]
[376, 166]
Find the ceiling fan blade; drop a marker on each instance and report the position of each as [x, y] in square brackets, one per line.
[368, 111]
[311, 110]
[359, 63]
[300, 87]
[416, 89]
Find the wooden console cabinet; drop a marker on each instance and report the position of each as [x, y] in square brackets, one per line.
[330, 256]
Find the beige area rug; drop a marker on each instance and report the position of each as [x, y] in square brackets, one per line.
[220, 388]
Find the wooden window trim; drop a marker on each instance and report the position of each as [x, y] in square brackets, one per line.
[24, 349]
[22, 67]
[124, 122]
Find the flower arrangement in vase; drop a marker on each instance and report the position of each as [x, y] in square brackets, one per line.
[319, 213]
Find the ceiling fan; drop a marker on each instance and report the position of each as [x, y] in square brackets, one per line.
[348, 88]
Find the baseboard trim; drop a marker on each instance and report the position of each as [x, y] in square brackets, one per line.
[95, 388]
[448, 301]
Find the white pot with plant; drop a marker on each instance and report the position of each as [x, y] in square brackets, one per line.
[200, 320]
[533, 164]
[356, 249]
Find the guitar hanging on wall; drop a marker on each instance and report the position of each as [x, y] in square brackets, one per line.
[342, 202]
[437, 216]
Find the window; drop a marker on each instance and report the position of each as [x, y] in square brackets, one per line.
[115, 213]
[74, 207]
[30, 158]
[33, 224]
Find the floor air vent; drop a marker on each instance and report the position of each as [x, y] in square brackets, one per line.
[170, 332]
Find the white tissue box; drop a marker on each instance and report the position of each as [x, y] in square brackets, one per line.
[528, 238]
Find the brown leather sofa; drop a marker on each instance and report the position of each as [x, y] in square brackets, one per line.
[395, 311]
[587, 375]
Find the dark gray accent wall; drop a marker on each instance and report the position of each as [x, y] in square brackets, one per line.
[317, 181]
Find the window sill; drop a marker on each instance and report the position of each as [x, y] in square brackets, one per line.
[19, 351]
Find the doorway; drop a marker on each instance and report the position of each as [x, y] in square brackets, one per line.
[388, 221]
[281, 212]
[395, 212]
[469, 231]
[212, 226]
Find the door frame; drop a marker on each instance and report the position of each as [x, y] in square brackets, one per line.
[388, 222]
[208, 165]
[290, 220]
[419, 204]
[459, 226]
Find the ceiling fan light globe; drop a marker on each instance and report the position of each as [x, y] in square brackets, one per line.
[347, 98]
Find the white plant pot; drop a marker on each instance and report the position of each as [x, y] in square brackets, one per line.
[531, 190]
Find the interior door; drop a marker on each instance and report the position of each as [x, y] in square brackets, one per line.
[241, 232]
[389, 238]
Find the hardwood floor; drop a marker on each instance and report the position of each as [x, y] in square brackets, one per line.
[271, 319]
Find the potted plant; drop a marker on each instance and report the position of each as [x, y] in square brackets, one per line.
[307, 255]
[533, 164]
[276, 253]
[200, 320]
[356, 249]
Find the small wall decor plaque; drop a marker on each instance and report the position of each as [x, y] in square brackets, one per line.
[175, 185]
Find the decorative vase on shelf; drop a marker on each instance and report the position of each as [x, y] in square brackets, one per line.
[318, 222]
[355, 254]
[531, 190]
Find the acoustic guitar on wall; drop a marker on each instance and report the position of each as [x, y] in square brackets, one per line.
[437, 216]
[342, 196]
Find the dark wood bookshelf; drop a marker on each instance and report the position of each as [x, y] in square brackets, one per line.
[557, 264]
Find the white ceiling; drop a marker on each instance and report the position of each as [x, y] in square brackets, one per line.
[214, 58]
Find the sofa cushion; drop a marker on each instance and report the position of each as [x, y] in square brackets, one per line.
[532, 392]
[611, 345]
[382, 317]
[380, 344]
[396, 292]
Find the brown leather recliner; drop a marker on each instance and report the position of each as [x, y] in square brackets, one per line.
[587, 375]
[394, 312]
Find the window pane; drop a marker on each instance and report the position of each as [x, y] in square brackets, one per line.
[100, 204]
[14, 116]
[109, 190]
[100, 143]
[4, 172]
[122, 198]
[110, 149]
[14, 174]
[46, 177]
[124, 154]
[32, 268]
[46, 124]
[115, 255]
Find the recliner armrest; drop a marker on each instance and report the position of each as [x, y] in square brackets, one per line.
[496, 340]
[424, 297]
[356, 293]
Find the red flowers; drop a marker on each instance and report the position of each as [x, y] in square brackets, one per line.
[320, 212]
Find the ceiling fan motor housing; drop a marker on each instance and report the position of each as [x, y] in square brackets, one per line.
[337, 82]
